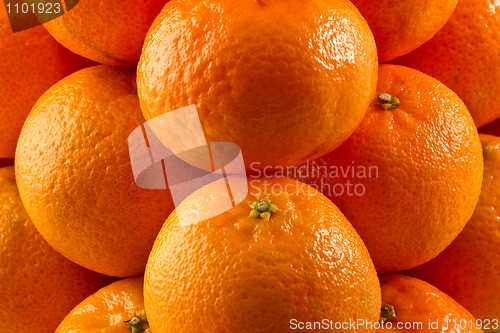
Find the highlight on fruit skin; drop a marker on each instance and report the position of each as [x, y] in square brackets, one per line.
[251, 274]
[416, 161]
[254, 64]
[298, 86]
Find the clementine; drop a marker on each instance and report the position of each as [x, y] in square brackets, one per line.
[75, 178]
[39, 286]
[284, 92]
[464, 55]
[117, 308]
[288, 258]
[32, 61]
[109, 32]
[409, 177]
[412, 305]
[401, 26]
[467, 269]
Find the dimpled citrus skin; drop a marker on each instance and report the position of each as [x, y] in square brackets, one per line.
[464, 55]
[32, 61]
[109, 32]
[258, 78]
[39, 286]
[107, 309]
[417, 168]
[235, 273]
[75, 178]
[401, 26]
[469, 269]
[416, 301]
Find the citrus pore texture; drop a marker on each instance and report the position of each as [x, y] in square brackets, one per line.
[401, 26]
[74, 173]
[468, 269]
[418, 302]
[109, 32]
[237, 273]
[39, 285]
[417, 171]
[285, 80]
[464, 55]
[32, 61]
[107, 309]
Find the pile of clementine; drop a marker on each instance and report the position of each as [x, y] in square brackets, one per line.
[361, 196]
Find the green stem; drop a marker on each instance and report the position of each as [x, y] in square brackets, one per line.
[262, 209]
[388, 102]
[137, 324]
[387, 313]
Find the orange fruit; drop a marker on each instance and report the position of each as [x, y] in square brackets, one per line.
[466, 270]
[75, 178]
[408, 179]
[284, 92]
[463, 55]
[39, 286]
[401, 26]
[268, 273]
[117, 308]
[109, 32]
[421, 308]
[32, 61]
